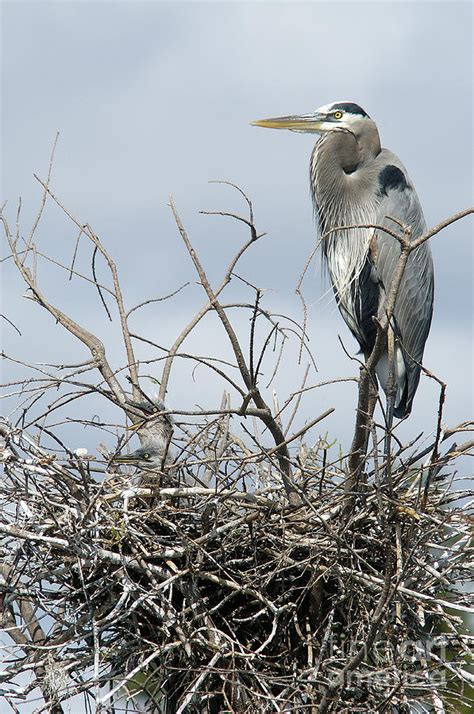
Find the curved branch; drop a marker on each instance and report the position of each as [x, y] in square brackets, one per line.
[87, 230]
[93, 343]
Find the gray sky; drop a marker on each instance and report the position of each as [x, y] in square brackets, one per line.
[155, 98]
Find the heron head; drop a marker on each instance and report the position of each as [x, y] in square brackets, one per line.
[147, 459]
[154, 415]
[338, 116]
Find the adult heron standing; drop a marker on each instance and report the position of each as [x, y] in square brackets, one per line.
[353, 182]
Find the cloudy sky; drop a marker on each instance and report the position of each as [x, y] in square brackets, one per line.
[155, 98]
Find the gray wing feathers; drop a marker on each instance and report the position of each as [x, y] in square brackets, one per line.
[414, 305]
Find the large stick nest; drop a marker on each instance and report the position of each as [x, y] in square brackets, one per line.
[253, 571]
[224, 598]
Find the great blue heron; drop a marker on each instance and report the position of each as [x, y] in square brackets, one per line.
[354, 181]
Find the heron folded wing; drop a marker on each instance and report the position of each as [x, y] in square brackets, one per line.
[414, 303]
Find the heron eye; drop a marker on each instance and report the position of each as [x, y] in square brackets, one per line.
[337, 115]
[146, 456]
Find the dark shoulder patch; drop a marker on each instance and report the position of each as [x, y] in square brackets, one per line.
[391, 177]
[351, 108]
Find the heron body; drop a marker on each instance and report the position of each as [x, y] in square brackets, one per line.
[355, 182]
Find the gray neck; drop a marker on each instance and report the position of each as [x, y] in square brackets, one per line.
[343, 176]
[340, 174]
[156, 435]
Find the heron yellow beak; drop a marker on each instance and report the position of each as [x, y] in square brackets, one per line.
[300, 122]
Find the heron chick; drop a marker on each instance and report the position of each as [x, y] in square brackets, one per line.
[354, 182]
[154, 431]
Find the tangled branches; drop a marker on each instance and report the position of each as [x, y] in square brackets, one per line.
[246, 569]
[224, 598]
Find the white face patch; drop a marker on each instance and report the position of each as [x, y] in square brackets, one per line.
[348, 117]
[332, 106]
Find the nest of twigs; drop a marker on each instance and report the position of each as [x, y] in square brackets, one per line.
[222, 597]
[253, 571]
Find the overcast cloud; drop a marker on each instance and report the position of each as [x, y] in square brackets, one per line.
[154, 98]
